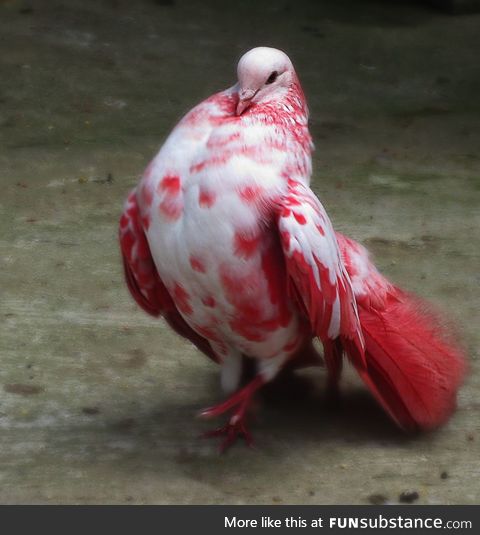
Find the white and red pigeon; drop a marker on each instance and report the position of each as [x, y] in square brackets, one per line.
[225, 240]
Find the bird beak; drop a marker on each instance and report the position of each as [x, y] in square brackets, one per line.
[245, 97]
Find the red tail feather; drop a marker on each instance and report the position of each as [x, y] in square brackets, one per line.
[413, 367]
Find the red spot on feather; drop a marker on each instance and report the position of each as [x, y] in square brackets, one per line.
[170, 184]
[209, 301]
[292, 201]
[245, 328]
[197, 264]
[245, 246]
[250, 194]
[246, 306]
[206, 198]
[171, 209]
[301, 219]
[253, 152]
[217, 142]
[320, 229]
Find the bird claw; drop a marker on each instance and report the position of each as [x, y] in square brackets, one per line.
[236, 426]
[233, 429]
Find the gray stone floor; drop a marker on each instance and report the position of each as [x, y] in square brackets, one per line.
[97, 400]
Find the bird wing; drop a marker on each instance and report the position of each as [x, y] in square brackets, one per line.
[317, 275]
[143, 279]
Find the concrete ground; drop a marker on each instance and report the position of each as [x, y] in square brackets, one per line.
[97, 400]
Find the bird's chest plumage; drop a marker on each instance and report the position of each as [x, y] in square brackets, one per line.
[222, 265]
[208, 202]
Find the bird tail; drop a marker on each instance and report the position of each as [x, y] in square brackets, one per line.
[413, 364]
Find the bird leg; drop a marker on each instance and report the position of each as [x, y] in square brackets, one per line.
[333, 361]
[236, 426]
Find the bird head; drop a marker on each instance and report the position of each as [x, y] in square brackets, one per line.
[263, 73]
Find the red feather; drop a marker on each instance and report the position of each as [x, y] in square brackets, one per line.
[414, 367]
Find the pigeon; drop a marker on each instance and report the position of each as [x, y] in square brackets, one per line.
[224, 238]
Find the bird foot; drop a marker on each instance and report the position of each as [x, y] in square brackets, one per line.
[236, 427]
[231, 431]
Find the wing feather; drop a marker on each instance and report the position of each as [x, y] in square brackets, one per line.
[315, 267]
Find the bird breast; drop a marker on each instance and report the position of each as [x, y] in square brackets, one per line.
[208, 207]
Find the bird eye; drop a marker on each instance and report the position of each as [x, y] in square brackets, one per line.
[272, 78]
